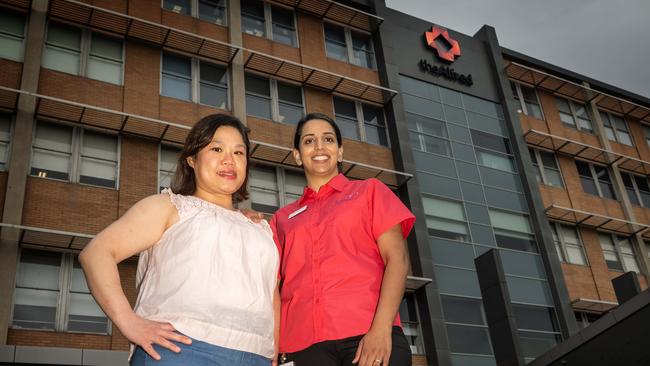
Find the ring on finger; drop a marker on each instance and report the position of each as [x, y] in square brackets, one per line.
[377, 361]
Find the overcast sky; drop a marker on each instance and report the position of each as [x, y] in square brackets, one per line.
[608, 40]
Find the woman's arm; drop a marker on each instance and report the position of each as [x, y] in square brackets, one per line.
[137, 230]
[377, 343]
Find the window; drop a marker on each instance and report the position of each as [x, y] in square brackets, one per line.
[213, 11]
[528, 100]
[408, 314]
[493, 151]
[568, 244]
[359, 121]
[261, 19]
[574, 114]
[538, 329]
[585, 319]
[349, 46]
[273, 100]
[445, 219]
[637, 188]
[512, 231]
[5, 139]
[466, 325]
[81, 52]
[194, 80]
[168, 158]
[547, 170]
[595, 179]
[75, 154]
[427, 134]
[51, 293]
[618, 252]
[616, 128]
[12, 36]
[272, 187]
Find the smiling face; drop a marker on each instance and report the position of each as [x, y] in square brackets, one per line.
[319, 152]
[220, 167]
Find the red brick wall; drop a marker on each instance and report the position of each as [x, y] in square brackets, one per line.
[138, 171]
[66, 206]
[11, 73]
[592, 281]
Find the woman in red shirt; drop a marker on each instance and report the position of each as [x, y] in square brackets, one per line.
[343, 261]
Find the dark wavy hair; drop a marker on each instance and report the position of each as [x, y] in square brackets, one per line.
[200, 136]
[311, 116]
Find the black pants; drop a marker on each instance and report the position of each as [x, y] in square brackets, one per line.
[341, 352]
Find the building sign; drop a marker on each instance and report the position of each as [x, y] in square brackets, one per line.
[447, 49]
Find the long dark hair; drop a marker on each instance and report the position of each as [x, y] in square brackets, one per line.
[199, 137]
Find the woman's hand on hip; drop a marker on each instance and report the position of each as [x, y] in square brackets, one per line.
[145, 333]
[374, 348]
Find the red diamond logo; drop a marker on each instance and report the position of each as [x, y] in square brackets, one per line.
[437, 37]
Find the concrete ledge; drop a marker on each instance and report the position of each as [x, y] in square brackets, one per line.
[7, 353]
[105, 358]
[48, 355]
[61, 356]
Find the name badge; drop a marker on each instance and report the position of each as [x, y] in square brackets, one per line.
[298, 211]
[290, 363]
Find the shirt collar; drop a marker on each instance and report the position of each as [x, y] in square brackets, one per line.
[337, 183]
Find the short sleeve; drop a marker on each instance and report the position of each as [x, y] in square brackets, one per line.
[387, 210]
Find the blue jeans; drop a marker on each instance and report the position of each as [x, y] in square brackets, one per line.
[199, 354]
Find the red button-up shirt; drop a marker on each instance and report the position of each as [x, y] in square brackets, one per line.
[331, 267]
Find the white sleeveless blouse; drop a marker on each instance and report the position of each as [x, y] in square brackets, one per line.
[212, 276]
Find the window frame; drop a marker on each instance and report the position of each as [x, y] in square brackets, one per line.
[635, 186]
[10, 121]
[465, 238]
[557, 227]
[159, 170]
[417, 325]
[268, 24]
[538, 164]
[360, 119]
[76, 146]
[275, 97]
[85, 50]
[195, 80]
[350, 46]
[195, 11]
[280, 182]
[519, 97]
[572, 107]
[609, 122]
[619, 252]
[594, 178]
[22, 37]
[66, 266]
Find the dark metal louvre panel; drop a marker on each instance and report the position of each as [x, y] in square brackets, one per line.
[595, 221]
[576, 91]
[574, 149]
[86, 15]
[314, 77]
[334, 11]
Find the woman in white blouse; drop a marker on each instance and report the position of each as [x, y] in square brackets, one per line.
[207, 291]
